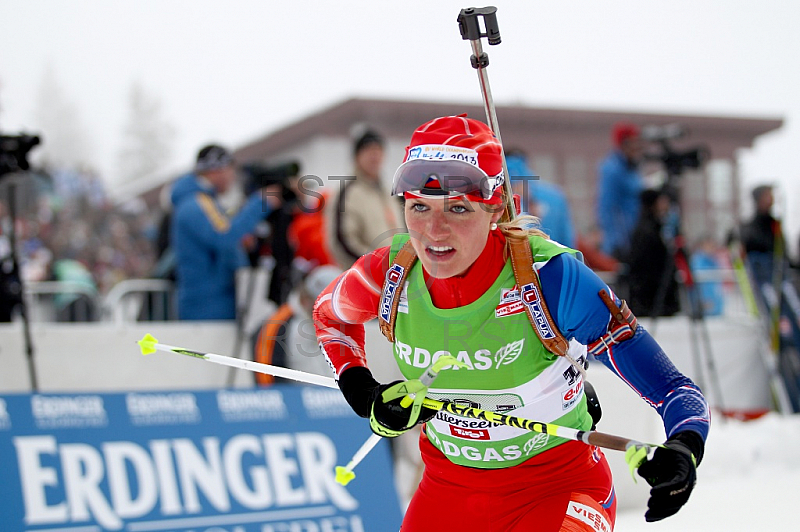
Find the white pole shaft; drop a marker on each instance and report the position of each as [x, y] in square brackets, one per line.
[363, 451]
[275, 371]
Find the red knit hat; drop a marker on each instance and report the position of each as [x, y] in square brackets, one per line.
[452, 156]
[622, 131]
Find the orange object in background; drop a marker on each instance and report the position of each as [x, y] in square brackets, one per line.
[307, 234]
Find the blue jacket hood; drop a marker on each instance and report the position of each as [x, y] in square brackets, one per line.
[518, 167]
[186, 187]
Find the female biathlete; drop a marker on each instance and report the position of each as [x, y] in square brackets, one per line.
[518, 312]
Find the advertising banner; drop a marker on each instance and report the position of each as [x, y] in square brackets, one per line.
[255, 460]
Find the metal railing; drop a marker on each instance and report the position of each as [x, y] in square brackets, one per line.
[128, 300]
[61, 301]
[140, 300]
[155, 300]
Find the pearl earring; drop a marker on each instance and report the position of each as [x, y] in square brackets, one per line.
[493, 227]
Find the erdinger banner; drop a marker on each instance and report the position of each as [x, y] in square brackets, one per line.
[231, 460]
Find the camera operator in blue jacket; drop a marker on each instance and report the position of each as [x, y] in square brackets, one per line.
[207, 242]
[619, 187]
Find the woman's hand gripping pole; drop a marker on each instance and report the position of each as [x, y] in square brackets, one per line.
[412, 393]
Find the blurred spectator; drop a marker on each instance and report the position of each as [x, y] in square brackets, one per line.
[208, 244]
[590, 245]
[704, 259]
[651, 276]
[763, 241]
[619, 187]
[759, 234]
[542, 199]
[362, 214]
[280, 247]
[36, 260]
[287, 338]
[75, 305]
[292, 239]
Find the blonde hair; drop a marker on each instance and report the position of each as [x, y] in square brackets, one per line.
[521, 228]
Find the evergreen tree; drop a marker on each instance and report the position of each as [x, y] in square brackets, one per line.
[147, 141]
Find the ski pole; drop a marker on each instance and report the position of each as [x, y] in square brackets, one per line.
[469, 26]
[589, 437]
[636, 452]
[149, 345]
[742, 279]
[345, 474]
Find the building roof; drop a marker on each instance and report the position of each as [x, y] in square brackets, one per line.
[400, 118]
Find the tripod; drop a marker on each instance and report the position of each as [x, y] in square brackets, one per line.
[14, 160]
[17, 275]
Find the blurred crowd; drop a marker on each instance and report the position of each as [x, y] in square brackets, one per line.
[67, 230]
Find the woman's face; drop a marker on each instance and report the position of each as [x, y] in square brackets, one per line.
[447, 234]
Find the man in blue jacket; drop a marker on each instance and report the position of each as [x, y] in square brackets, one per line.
[208, 243]
[619, 187]
[541, 198]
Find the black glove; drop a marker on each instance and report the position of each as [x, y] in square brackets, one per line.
[672, 474]
[363, 393]
[389, 418]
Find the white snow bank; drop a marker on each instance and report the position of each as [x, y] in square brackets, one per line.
[748, 481]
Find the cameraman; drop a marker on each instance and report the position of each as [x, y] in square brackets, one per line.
[619, 186]
[273, 235]
[208, 244]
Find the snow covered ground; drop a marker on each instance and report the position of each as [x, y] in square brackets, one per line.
[748, 481]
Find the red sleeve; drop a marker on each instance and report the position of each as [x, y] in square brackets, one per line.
[345, 305]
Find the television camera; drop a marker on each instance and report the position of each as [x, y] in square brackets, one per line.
[675, 161]
[14, 151]
[259, 175]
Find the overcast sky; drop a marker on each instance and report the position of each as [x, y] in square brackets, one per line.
[232, 71]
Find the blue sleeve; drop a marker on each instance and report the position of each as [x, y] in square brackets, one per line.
[193, 221]
[570, 290]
